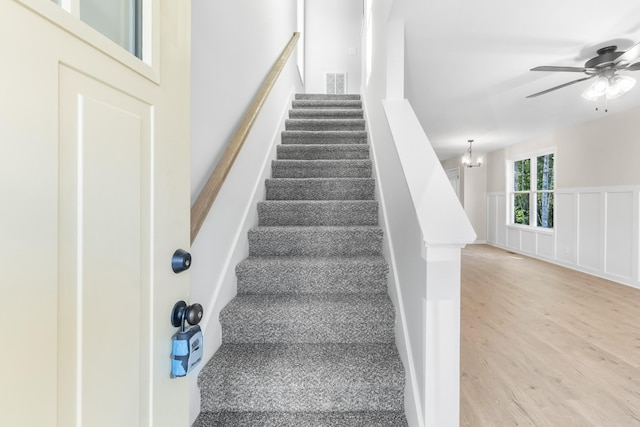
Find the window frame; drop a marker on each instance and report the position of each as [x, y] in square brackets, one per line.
[66, 15]
[532, 192]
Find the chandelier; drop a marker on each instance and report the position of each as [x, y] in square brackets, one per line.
[467, 159]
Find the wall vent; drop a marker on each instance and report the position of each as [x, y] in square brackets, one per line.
[336, 83]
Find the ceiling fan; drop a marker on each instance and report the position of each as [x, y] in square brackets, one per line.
[604, 68]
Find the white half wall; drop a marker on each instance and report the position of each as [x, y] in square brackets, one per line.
[332, 42]
[403, 240]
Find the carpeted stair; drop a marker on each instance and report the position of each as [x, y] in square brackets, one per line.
[309, 339]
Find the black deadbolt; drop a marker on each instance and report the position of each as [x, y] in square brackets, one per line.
[180, 261]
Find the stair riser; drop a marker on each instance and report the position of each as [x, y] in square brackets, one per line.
[299, 399]
[337, 137]
[324, 125]
[317, 213]
[322, 104]
[302, 419]
[286, 332]
[328, 96]
[320, 189]
[329, 113]
[321, 170]
[322, 152]
[325, 277]
[343, 242]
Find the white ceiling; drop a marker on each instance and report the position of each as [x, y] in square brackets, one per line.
[468, 61]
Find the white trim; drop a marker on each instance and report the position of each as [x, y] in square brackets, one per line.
[411, 371]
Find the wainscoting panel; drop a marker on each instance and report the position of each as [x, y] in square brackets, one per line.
[528, 242]
[492, 219]
[590, 231]
[501, 203]
[565, 227]
[513, 237]
[546, 245]
[597, 231]
[619, 239]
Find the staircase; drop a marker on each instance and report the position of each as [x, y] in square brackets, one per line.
[309, 339]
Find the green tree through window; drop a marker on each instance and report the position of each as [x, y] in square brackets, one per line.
[532, 191]
[545, 187]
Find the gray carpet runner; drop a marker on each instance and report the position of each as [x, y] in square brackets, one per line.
[309, 339]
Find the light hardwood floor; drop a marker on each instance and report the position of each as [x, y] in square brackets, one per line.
[542, 345]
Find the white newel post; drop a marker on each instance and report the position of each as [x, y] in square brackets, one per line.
[442, 336]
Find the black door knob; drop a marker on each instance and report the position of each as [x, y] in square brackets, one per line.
[182, 312]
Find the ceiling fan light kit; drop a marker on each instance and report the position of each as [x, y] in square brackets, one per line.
[604, 68]
[612, 87]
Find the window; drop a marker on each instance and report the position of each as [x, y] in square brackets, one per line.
[119, 20]
[367, 24]
[532, 190]
[301, 13]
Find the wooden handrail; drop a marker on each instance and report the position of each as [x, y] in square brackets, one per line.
[201, 207]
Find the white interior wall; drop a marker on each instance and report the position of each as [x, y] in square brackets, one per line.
[234, 46]
[332, 42]
[475, 200]
[473, 195]
[597, 193]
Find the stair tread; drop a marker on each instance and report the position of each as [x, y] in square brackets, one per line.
[323, 162]
[320, 202]
[323, 151]
[336, 168]
[313, 261]
[316, 228]
[300, 377]
[320, 189]
[325, 133]
[326, 103]
[326, 112]
[309, 309]
[317, 212]
[309, 275]
[300, 96]
[324, 137]
[302, 419]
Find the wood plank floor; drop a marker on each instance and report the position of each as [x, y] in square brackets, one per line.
[542, 345]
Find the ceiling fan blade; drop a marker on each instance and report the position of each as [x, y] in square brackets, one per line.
[554, 68]
[630, 55]
[633, 67]
[560, 87]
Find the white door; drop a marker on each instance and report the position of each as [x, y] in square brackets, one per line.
[94, 200]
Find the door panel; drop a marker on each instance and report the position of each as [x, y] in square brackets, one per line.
[94, 183]
[104, 193]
